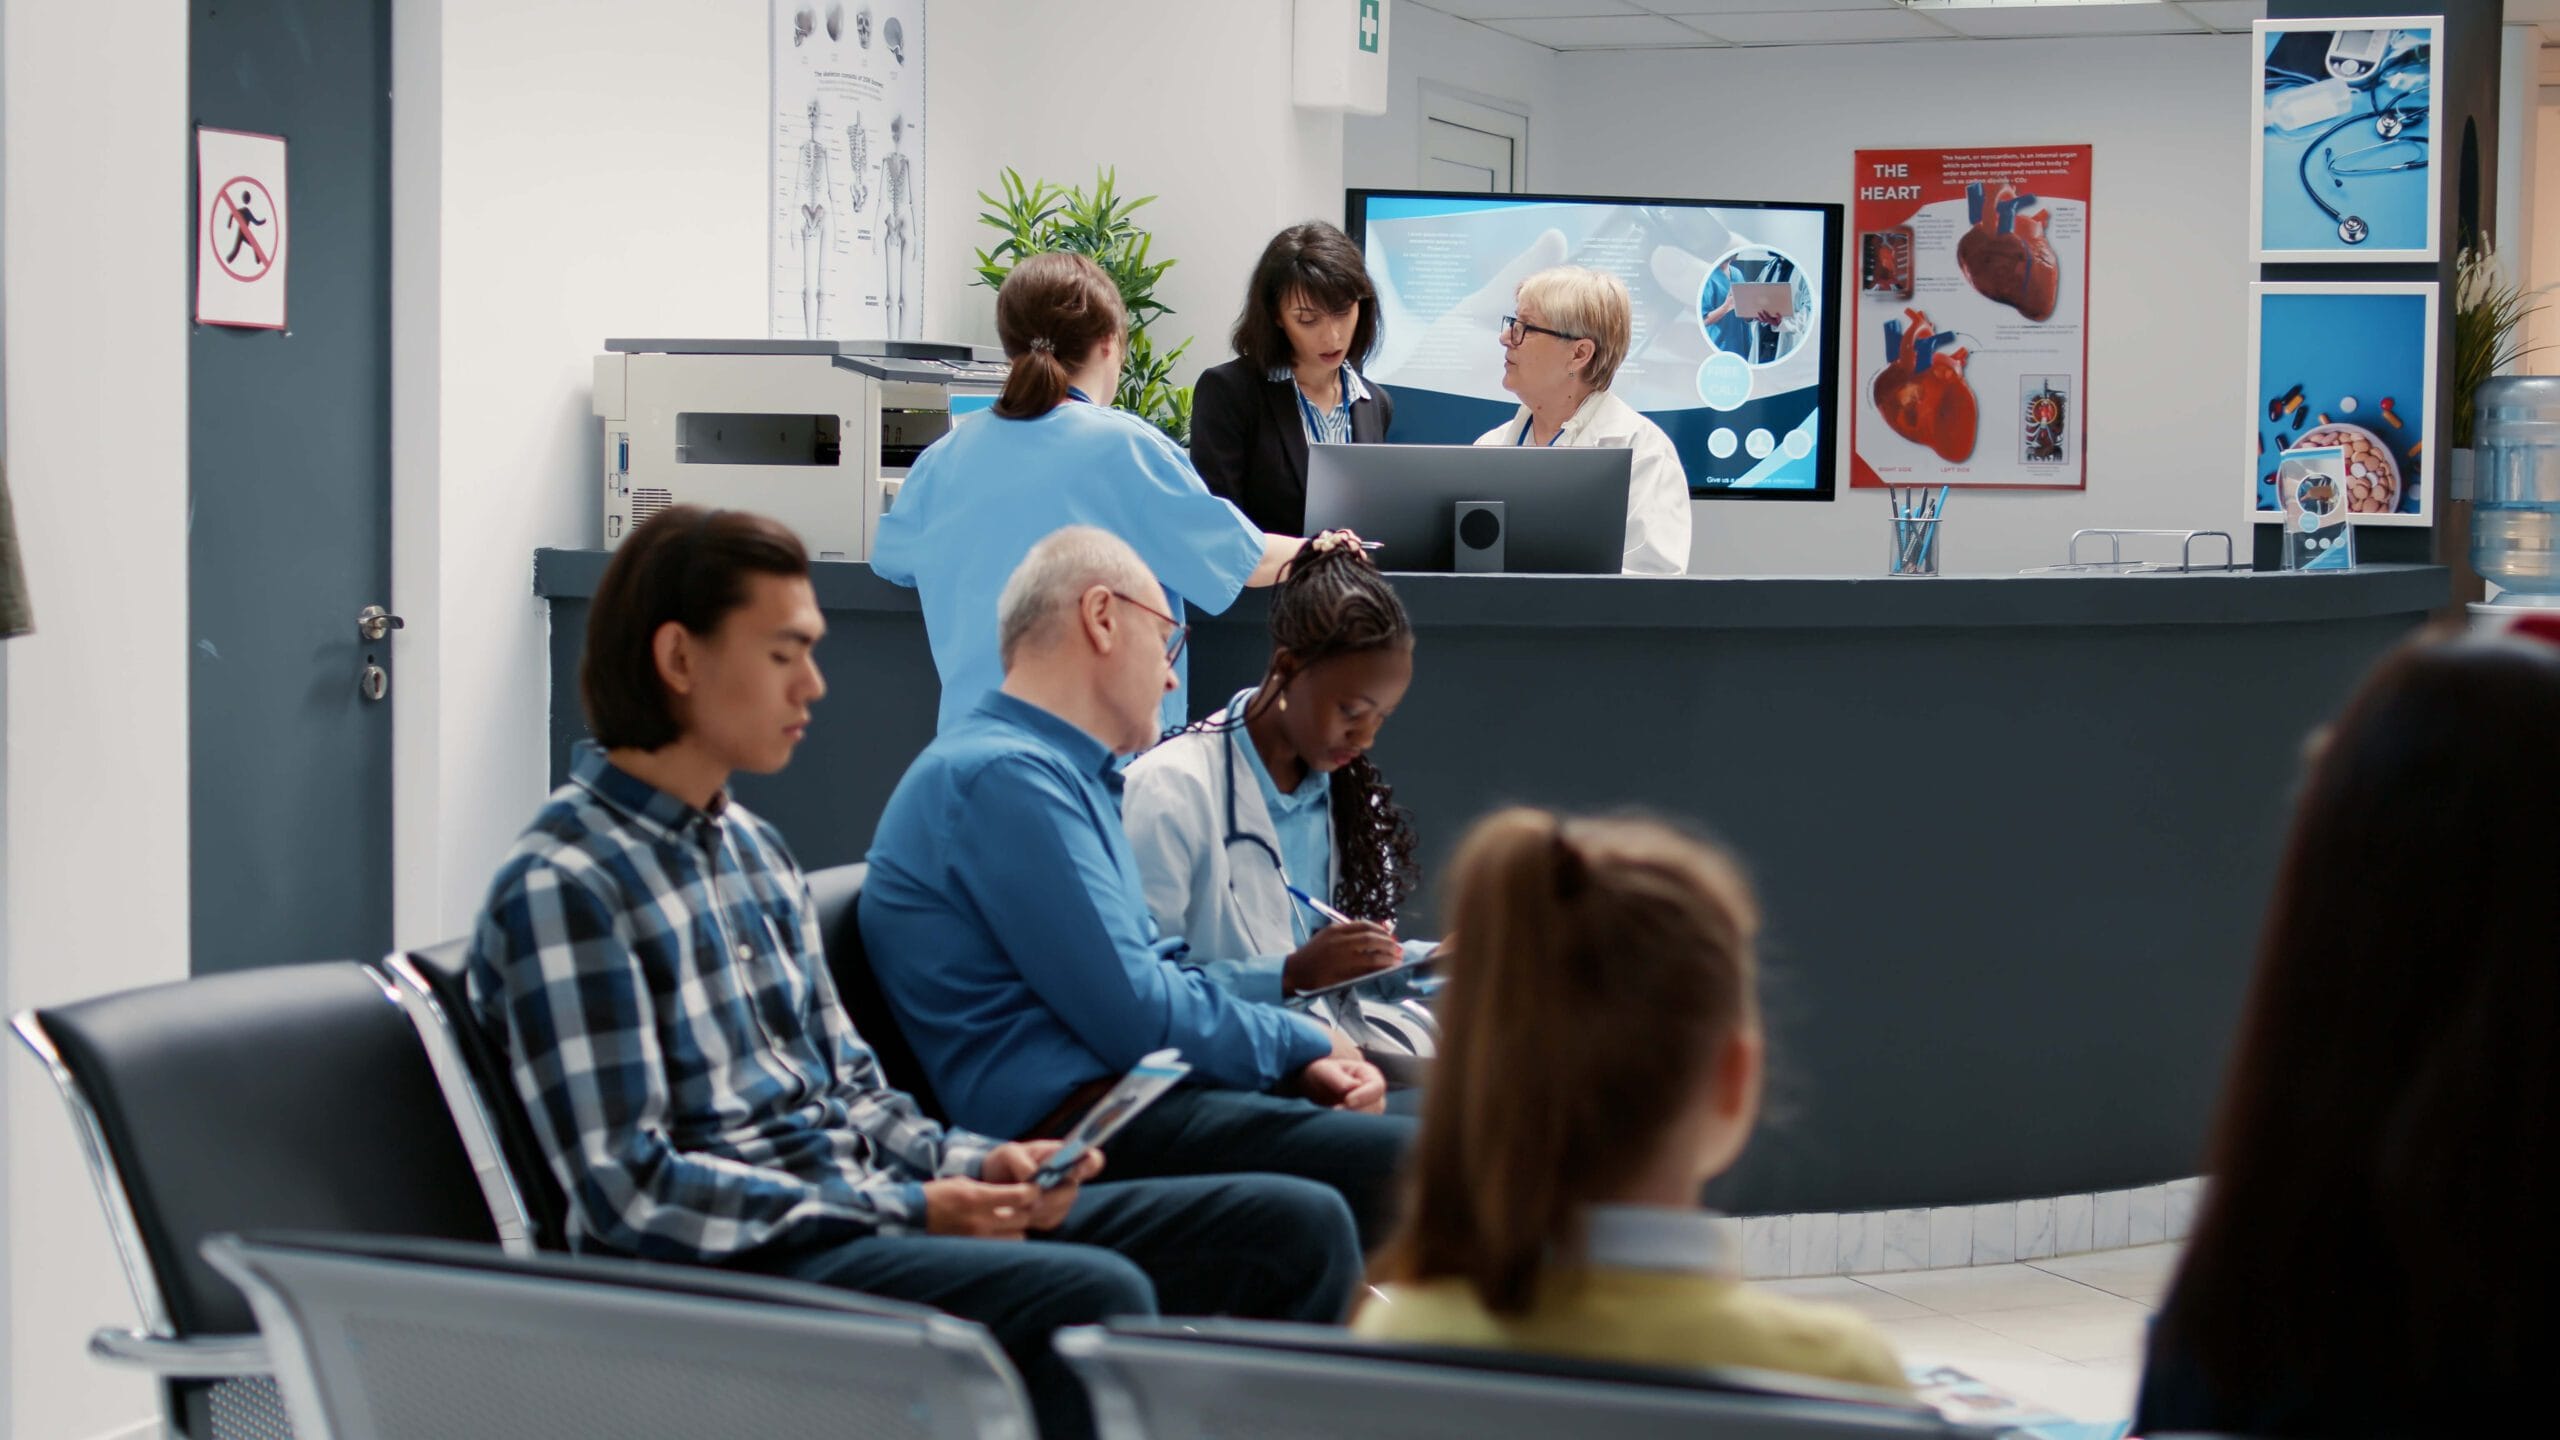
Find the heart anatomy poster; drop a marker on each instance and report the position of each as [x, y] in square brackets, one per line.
[1971, 322]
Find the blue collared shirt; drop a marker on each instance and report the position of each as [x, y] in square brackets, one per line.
[655, 973]
[1330, 427]
[1007, 921]
[980, 497]
[1302, 822]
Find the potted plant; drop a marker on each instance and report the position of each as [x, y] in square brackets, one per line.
[2489, 312]
[1038, 217]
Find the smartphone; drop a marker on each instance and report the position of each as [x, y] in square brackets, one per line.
[1150, 1078]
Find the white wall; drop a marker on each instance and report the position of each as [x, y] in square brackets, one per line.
[1188, 99]
[565, 172]
[97, 698]
[1384, 152]
[2170, 267]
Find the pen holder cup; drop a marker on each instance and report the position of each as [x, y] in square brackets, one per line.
[1915, 546]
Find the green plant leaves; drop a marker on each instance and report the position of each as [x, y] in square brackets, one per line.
[1036, 217]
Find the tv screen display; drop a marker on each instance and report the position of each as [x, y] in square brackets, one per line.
[1734, 351]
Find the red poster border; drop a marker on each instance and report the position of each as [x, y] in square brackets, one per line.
[1861, 476]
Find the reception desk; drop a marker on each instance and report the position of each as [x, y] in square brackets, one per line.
[2012, 834]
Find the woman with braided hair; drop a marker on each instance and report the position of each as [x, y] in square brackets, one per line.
[1241, 821]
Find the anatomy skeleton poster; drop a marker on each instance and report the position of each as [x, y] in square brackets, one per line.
[1971, 349]
[846, 247]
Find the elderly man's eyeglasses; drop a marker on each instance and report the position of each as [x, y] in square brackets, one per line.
[1173, 642]
[1516, 330]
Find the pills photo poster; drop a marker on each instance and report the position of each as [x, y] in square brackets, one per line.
[2350, 366]
[1970, 325]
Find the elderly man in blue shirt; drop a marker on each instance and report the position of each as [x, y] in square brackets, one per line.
[651, 959]
[1008, 922]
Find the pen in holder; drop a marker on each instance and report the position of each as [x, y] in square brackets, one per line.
[1915, 530]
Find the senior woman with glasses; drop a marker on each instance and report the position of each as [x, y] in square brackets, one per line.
[1559, 353]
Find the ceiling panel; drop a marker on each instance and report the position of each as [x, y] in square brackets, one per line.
[2010, 22]
[2226, 14]
[1766, 7]
[1816, 27]
[1604, 32]
[1517, 9]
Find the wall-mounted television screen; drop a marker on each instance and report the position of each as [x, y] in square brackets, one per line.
[1734, 351]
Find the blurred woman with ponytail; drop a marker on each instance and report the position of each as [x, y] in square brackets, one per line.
[1600, 1061]
[1052, 454]
[1244, 823]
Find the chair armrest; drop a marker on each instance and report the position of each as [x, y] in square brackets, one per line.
[209, 1357]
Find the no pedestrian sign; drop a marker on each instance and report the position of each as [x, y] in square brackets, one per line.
[240, 229]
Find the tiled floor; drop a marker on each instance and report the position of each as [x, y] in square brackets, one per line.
[2065, 1332]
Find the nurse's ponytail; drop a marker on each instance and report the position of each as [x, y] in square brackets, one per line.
[1053, 313]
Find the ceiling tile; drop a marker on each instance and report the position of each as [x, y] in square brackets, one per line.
[1768, 7]
[1604, 32]
[2226, 14]
[1529, 8]
[2010, 22]
[1519, 9]
[1815, 27]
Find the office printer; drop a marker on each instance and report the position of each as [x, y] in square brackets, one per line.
[815, 433]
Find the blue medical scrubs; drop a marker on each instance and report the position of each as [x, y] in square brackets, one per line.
[980, 497]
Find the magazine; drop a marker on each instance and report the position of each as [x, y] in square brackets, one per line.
[1968, 1401]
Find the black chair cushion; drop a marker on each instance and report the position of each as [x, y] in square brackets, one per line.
[295, 1097]
[838, 893]
[445, 968]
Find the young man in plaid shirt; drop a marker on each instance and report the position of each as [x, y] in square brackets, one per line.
[650, 956]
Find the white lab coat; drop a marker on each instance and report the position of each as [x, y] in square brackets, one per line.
[1229, 901]
[1657, 490]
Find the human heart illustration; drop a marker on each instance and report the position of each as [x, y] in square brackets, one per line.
[2006, 254]
[1921, 392]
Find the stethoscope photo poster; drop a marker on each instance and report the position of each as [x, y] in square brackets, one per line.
[2344, 168]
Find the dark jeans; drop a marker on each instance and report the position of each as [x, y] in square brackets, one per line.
[1197, 1131]
[1266, 1247]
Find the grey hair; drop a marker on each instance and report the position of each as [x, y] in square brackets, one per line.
[1055, 575]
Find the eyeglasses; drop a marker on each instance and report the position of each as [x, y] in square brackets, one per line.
[1516, 330]
[1173, 642]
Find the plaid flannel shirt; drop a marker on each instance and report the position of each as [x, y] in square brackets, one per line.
[656, 973]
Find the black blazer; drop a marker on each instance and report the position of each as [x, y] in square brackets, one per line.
[1250, 445]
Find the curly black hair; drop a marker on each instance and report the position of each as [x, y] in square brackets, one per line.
[1329, 603]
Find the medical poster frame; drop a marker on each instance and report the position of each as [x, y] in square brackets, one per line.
[2341, 253]
[2423, 479]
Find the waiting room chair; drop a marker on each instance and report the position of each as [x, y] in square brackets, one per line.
[1195, 1380]
[384, 1339]
[838, 893]
[480, 1090]
[292, 1097]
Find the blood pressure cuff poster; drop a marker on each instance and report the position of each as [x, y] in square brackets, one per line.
[1739, 387]
[1970, 271]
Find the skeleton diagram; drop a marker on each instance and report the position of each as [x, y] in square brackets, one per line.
[816, 182]
[857, 149]
[897, 218]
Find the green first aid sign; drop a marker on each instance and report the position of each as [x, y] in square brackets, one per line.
[1369, 26]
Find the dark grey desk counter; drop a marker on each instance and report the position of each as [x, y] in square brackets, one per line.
[2012, 833]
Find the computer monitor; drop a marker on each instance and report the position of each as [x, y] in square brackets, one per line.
[1734, 347]
[1564, 509]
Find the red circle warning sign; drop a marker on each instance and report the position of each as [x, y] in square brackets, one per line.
[242, 223]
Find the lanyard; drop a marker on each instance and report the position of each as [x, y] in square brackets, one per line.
[1530, 423]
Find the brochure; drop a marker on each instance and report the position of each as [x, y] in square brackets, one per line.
[1154, 1075]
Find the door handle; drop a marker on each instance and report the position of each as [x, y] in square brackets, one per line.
[376, 624]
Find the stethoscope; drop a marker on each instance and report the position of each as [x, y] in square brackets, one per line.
[2393, 124]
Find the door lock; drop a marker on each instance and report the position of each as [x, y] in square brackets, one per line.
[374, 683]
[376, 624]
